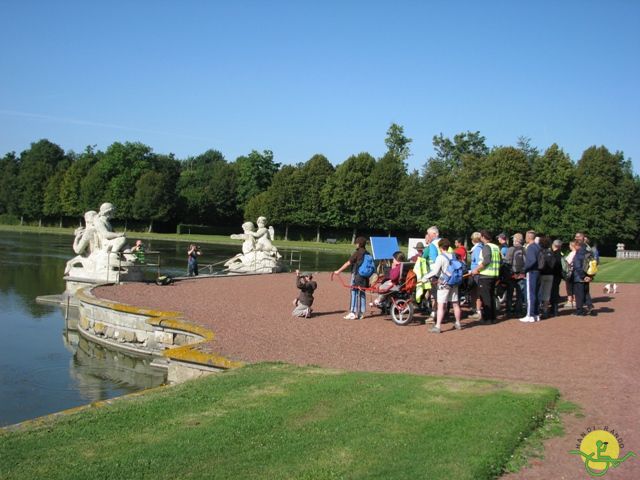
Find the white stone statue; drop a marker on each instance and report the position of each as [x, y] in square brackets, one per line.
[83, 243]
[101, 254]
[264, 237]
[110, 241]
[259, 255]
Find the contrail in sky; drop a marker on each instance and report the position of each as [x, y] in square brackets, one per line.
[73, 121]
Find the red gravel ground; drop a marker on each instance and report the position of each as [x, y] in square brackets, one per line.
[593, 361]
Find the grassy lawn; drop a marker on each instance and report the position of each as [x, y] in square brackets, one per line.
[274, 421]
[619, 271]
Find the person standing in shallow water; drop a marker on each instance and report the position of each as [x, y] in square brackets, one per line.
[192, 260]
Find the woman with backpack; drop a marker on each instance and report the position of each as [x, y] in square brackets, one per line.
[359, 261]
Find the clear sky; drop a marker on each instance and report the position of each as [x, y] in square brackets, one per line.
[306, 77]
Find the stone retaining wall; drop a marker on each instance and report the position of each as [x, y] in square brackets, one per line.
[163, 334]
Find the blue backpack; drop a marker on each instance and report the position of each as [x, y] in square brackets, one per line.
[367, 267]
[454, 273]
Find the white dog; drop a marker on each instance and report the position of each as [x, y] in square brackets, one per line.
[610, 288]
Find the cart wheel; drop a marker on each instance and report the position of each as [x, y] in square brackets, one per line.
[402, 312]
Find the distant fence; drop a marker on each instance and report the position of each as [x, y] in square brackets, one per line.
[628, 254]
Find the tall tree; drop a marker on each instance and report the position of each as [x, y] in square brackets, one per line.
[503, 191]
[74, 204]
[281, 202]
[531, 152]
[552, 184]
[207, 189]
[37, 165]
[346, 194]
[254, 174]
[52, 205]
[151, 201]
[447, 186]
[9, 169]
[397, 143]
[313, 175]
[604, 200]
[386, 206]
[113, 178]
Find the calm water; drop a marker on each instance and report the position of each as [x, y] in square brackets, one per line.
[45, 367]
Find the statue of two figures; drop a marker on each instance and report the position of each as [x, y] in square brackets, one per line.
[259, 255]
[101, 253]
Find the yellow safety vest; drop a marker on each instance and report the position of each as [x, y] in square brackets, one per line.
[492, 268]
[421, 268]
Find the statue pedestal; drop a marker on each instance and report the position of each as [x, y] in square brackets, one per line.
[102, 267]
[254, 262]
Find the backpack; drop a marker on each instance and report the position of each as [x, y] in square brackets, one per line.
[367, 267]
[517, 262]
[546, 261]
[454, 273]
[164, 280]
[567, 271]
[590, 265]
[410, 282]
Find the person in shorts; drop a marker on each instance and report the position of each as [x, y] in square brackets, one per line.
[445, 293]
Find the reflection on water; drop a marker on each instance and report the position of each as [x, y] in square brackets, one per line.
[96, 369]
[44, 366]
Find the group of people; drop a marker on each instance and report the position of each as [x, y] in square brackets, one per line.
[525, 276]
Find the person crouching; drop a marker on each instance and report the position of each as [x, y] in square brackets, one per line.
[305, 299]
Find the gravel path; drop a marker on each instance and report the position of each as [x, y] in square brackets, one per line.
[593, 361]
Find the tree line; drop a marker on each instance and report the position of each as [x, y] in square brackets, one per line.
[465, 185]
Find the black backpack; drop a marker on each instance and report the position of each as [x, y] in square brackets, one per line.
[546, 261]
[517, 262]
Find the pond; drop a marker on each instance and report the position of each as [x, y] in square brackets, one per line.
[45, 366]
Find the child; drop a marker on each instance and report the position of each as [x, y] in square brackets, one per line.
[304, 301]
[392, 281]
[192, 262]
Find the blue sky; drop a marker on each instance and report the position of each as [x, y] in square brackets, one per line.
[306, 77]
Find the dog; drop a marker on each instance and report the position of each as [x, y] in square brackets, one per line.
[610, 288]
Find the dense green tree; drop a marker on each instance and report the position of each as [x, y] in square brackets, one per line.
[386, 209]
[346, 193]
[52, 206]
[502, 191]
[113, 178]
[450, 152]
[74, 204]
[254, 173]
[397, 143]
[531, 152]
[312, 177]
[153, 197]
[207, 189]
[221, 193]
[413, 205]
[262, 205]
[551, 187]
[281, 202]
[9, 168]
[37, 166]
[604, 200]
[448, 183]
